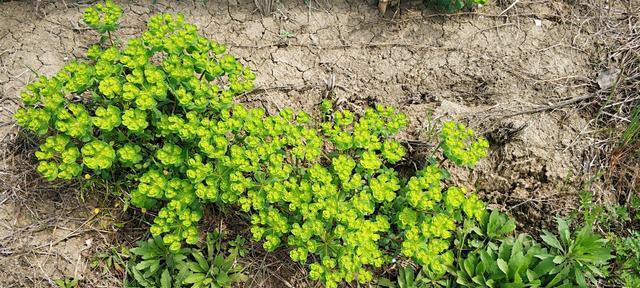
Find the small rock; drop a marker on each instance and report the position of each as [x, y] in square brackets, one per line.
[607, 78]
[314, 39]
[538, 22]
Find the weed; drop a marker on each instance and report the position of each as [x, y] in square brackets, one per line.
[66, 283]
[158, 118]
[582, 256]
[454, 5]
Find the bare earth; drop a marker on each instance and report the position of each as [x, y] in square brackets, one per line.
[495, 72]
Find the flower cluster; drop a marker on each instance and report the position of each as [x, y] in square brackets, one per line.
[97, 155]
[103, 17]
[169, 129]
[169, 121]
[60, 148]
[426, 234]
[460, 145]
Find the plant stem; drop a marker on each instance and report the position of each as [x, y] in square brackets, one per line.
[433, 153]
[110, 39]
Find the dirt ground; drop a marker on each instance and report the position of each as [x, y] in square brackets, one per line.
[513, 73]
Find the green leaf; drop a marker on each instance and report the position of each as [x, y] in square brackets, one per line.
[165, 279]
[462, 281]
[218, 261]
[559, 277]
[480, 268]
[551, 240]
[507, 227]
[478, 280]
[544, 267]
[141, 279]
[469, 265]
[385, 282]
[201, 261]
[238, 277]
[531, 276]
[145, 251]
[517, 247]
[564, 232]
[580, 278]
[223, 279]
[195, 267]
[490, 283]
[504, 267]
[558, 259]
[147, 263]
[408, 277]
[194, 278]
[597, 271]
[228, 263]
[493, 225]
[183, 272]
[516, 262]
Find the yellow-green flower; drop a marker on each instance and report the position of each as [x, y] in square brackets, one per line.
[98, 155]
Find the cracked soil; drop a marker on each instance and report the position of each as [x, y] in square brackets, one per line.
[484, 69]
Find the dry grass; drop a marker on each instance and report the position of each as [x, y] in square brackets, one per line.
[617, 145]
[265, 6]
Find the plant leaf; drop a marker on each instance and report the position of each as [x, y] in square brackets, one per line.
[147, 263]
[504, 267]
[165, 279]
[580, 278]
[563, 231]
[201, 261]
[551, 240]
[194, 278]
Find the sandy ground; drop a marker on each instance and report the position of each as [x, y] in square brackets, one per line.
[502, 73]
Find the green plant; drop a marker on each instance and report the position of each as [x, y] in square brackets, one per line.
[581, 257]
[489, 256]
[489, 231]
[112, 259]
[66, 283]
[238, 246]
[408, 278]
[619, 223]
[631, 134]
[628, 259]
[454, 5]
[157, 118]
[154, 265]
[627, 249]
[609, 217]
[103, 17]
[216, 270]
[145, 122]
[514, 264]
[286, 35]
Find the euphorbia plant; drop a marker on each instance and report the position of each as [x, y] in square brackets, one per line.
[158, 116]
[151, 108]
